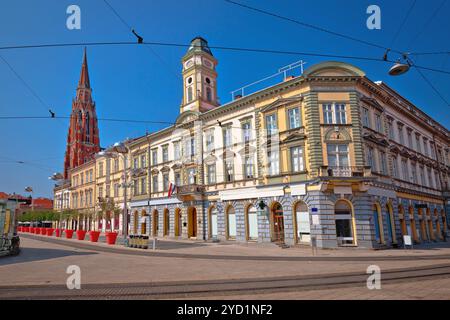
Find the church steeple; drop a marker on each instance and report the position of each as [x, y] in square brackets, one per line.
[83, 137]
[199, 78]
[84, 76]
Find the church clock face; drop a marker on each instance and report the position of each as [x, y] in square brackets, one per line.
[188, 64]
[207, 63]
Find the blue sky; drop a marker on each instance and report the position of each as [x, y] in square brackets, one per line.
[131, 82]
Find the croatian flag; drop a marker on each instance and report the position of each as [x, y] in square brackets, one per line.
[172, 189]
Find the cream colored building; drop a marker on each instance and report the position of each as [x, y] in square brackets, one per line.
[330, 156]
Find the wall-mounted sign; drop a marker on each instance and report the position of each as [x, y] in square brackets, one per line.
[314, 210]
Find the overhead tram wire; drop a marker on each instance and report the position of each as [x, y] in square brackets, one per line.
[27, 85]
[239, 49]
[427, 23]
[311, 26]
[405, 19]
[130, 29]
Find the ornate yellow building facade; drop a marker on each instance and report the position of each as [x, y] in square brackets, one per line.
[329, 157]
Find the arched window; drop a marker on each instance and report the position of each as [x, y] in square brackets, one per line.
[189, 94]
[166, 222]
[80, 117]
[208, 94]
[231, 223]
[252, 223]
[345, 224]
[155, 223]
[213, 214]
[413, 224]
[302, 223]
[88, 131]
[401, 214]
[378, 223]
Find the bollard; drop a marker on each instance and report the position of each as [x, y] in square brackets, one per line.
[154, 243]
[314, 245]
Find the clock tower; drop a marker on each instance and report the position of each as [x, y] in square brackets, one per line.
[199, 78]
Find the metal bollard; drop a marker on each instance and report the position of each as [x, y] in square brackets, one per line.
[154, 243]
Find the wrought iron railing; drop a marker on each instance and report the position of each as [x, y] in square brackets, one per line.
[344, 171]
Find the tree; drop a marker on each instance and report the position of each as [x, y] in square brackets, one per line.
[108, 210]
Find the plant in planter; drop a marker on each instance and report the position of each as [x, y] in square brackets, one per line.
[108, 210]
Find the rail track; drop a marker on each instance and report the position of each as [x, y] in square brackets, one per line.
[214, 288]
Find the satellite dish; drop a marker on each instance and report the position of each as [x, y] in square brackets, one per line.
[398, 69]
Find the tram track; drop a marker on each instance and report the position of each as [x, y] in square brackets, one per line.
[212, 288]
[150, 253]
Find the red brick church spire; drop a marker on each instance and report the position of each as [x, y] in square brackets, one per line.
[83, 138]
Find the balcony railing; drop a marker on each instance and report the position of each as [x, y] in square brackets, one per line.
[190, 189]
[347, 171]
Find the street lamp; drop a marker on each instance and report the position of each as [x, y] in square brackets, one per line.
[30, 190]
[121, 148]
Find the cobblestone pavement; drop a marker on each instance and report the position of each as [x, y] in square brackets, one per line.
[45, 263]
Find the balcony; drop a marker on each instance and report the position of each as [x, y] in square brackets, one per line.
[345, 172]
[190, 192]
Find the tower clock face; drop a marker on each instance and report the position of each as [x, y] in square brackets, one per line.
[188, 64]
[208, 63]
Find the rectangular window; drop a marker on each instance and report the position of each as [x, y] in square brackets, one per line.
[418, 146]
[405, 170]
[154, 157]
[413, 173]
[365, 117]
[176, 150]
[100, 169]
[430, 178]
[432, 152]
[108, 190]
[378, 123]
[391, 130]
[192, 176]
[334, 113]
[165, 153]
[327, 113]
[370, 158]
[341, 117]
[337, 155]
[400, 135]
[100, 192]
[394, 167]
[273, 162]
[155, 183]
[143, 161]
[227, 137]
[143, 185]
[422, 176]
[81, 178]
[383, 162]
[135, 163]
[294, 118]
[116, 165]
[246, 131]
[210, 141]
[116, 190]
[297, 159]
[229, 170]
[136, 187]
[211, 173]
[410, 140]
[177, 178]
[426, 150]
[165, 182]
[271, 124]
[248, 167]
[108, 166]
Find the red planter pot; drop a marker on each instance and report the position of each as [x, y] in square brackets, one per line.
[19, 229]
[50, 231]
[111, 237]
[69, 234]
[93, 236]
[58, 232]
[43, 231]
[81, 234]
[31, 230]
[37, 230]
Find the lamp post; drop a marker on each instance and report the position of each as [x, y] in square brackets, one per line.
[121, 148]
[59, 177]
[30, 190]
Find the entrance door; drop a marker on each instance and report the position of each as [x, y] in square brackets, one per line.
[177, 222]
[278, 223]
[192, 223]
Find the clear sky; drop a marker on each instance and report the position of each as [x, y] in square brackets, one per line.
[133, 83]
